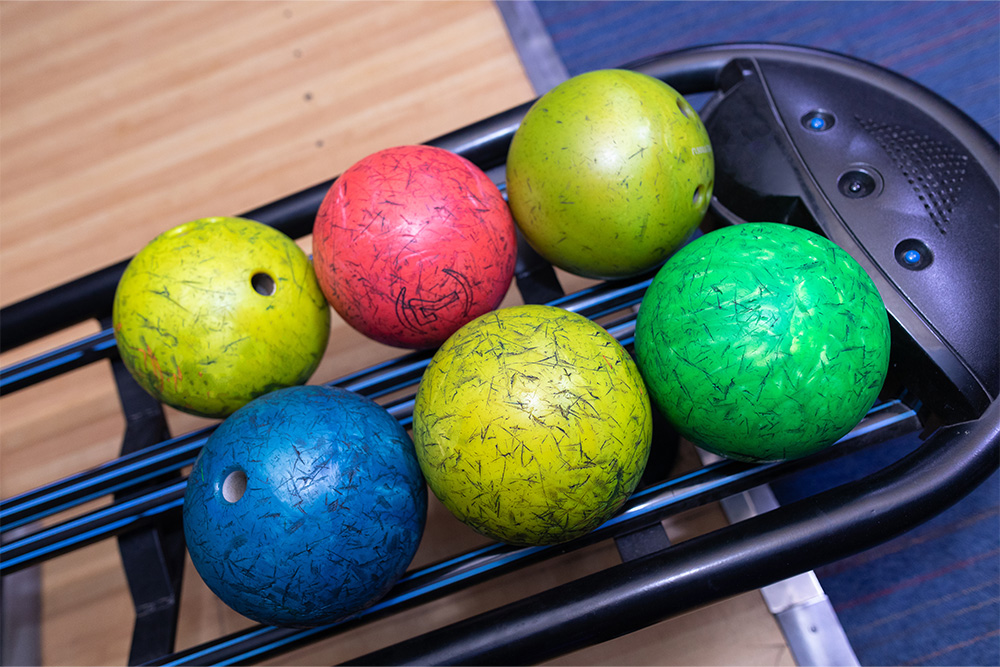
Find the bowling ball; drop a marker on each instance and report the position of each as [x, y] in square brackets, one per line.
[305, 506]
[609, 172]
[213, 313]
[412, 242]
[532, 425]
[762, 342]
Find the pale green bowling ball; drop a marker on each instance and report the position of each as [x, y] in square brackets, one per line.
[609, 172]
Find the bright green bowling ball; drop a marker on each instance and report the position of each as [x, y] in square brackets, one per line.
[763, 342]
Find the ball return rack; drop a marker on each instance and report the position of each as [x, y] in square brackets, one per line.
[895, 175]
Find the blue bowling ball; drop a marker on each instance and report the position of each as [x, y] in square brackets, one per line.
[305, 506]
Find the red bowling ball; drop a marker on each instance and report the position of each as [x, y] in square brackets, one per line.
[412, 242]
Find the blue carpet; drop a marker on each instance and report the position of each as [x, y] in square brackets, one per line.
[953, 48]
[928, 597]
[931, 596]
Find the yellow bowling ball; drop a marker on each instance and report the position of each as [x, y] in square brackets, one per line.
[532, 425]
[216, 312]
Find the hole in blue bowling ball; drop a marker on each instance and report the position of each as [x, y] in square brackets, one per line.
[234, 486]
[263, 284]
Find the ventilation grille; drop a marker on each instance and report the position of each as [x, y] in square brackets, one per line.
[934, 170]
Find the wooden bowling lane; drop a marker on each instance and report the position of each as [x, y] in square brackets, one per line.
[120, 120]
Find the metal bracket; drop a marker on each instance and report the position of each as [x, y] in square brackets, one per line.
[803, 611]
[152, 557]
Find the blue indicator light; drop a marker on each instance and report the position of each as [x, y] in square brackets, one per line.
[818, 121]
[911, 256]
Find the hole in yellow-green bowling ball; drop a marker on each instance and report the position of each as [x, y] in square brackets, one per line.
[263, 283]
[684, 107]
[234, 486]
[696, 200]
[179, 230]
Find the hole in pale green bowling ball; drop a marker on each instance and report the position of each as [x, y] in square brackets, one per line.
[684, 107]
[234, 486]
[696, 200]
[263, 284]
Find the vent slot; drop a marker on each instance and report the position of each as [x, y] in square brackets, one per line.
[934, 170]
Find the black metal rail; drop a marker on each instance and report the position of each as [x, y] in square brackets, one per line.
[145, 506]
[736, 559]
[135, 469]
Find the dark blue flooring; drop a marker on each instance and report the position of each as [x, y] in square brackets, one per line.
[953, 48]
[928, 597]
[931, 596]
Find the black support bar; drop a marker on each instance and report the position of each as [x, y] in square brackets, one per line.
[135, 468]
[645, 508]
[732, 560]
[90, 296]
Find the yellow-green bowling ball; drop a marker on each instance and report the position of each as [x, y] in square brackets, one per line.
[609, 173]
[216, 312]
[532, 425]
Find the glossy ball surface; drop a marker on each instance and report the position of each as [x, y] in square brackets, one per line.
[763, 342]
[305, 506]
[213, 313]
[412, 242]
[609, 172]
[532, 425]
